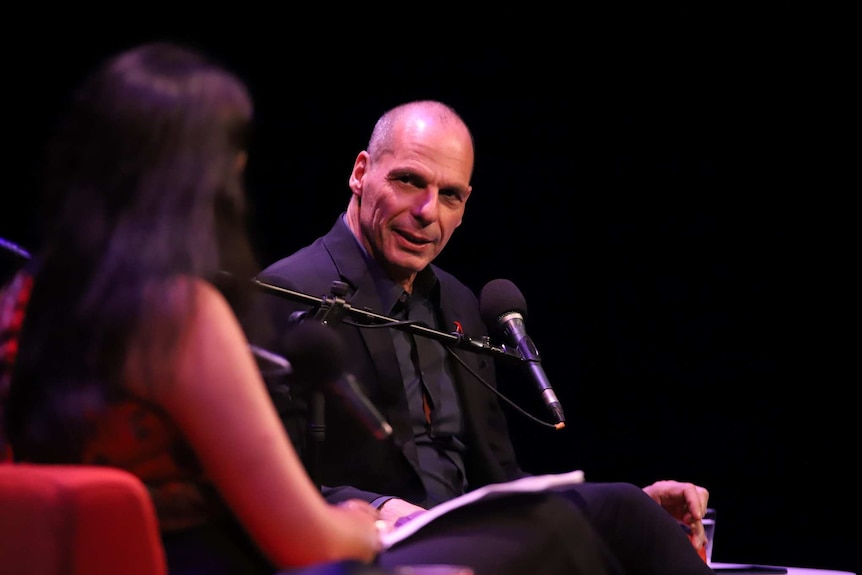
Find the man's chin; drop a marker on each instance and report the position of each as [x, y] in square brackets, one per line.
[407, 265]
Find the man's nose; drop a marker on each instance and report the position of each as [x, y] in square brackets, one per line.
[425, 207]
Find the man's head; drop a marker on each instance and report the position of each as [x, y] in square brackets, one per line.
[410, 186]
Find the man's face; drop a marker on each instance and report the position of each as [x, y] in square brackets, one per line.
[412, 197]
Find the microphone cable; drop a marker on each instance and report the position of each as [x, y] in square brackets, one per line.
[452, 353]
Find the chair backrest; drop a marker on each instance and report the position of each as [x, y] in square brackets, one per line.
[77, 520]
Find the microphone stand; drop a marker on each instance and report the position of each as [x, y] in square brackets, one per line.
[331, 309]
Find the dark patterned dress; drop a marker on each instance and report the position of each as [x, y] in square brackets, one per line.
[130, 434]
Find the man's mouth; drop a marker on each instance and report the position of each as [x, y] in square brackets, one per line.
[413, 239]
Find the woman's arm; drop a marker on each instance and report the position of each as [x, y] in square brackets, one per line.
[218, 400]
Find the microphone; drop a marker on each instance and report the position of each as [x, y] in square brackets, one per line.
[316, 354]
[502, 305]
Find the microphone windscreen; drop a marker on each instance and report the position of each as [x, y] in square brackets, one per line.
[316, 354]
[500, 297]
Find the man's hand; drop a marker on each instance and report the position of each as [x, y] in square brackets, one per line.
[396, 512]
[686, 502]
[367, 518]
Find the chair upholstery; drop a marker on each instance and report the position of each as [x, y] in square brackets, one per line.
[77, 520]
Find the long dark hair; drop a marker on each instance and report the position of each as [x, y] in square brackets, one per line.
[142, 184]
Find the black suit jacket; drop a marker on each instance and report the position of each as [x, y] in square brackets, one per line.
[351, 458]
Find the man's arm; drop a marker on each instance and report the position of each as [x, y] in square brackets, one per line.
[344, 493]
[393, 511]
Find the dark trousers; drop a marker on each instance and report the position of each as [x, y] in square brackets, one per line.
[601, 528]
[586, 529]
[641, 535]
[526, 533]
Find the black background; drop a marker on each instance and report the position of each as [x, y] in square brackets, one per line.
[664, 204]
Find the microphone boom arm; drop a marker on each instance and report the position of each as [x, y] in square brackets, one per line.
[330, 309]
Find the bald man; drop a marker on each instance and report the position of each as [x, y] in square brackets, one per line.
[409, 190]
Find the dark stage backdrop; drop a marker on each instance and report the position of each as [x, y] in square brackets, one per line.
[684, 280]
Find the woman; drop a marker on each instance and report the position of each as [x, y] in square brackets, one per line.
[127, 353]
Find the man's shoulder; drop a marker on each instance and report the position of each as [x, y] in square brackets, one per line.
[305, 258]
[307, 261]
[310, 269]
[292, 260]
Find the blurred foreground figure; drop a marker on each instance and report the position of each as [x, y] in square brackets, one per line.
[128, 355]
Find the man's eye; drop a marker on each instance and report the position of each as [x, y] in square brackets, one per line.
[406, 179]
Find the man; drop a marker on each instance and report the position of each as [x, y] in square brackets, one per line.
[409, 191]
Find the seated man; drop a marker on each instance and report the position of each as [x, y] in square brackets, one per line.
[409, 190]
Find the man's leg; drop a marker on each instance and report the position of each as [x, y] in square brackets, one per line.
[641, 535]
[533, 533]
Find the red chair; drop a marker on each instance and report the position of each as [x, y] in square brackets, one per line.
[77, 520]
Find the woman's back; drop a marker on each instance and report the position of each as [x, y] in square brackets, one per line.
[196, 424]
[124, 353]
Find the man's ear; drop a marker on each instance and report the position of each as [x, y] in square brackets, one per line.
[357, 175]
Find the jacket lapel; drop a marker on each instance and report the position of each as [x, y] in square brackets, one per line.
[473, 395]
[390, 396]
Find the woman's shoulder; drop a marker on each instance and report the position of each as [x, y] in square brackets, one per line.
[184, 319]
[182, 296]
